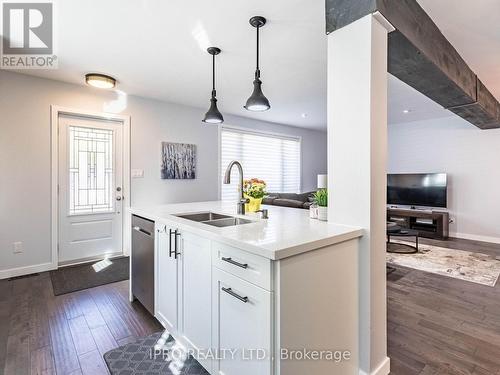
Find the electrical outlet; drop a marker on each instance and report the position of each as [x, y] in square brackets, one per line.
[18, 247]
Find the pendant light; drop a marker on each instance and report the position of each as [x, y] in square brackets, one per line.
[213, 116]
[257, 102]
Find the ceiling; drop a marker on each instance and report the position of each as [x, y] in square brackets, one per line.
[157, 49]
[473, 28]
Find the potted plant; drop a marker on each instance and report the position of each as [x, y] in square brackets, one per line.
[321, 199]
[254, 190]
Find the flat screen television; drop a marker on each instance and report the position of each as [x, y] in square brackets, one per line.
[417, 189]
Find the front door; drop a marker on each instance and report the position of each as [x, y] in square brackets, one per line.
[90, 188]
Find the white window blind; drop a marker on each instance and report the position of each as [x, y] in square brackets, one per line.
[272, 158]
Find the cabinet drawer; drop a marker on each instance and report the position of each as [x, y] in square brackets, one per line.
[249, 267]
[241, 323]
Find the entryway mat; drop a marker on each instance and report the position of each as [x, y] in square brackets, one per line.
[138, 358]
[83, 276]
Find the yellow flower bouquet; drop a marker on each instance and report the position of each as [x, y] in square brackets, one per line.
[254, 190]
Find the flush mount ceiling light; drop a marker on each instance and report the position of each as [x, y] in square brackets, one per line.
[257, 102]
[101, 81]
[213, 116]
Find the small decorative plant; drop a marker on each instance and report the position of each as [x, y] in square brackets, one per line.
[254, 188]
[321, 197]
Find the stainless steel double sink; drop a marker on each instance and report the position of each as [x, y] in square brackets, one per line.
[214, 219]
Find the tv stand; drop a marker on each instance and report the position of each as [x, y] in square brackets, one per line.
[430, 224]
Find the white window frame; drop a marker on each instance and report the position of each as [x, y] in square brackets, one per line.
[256, 132]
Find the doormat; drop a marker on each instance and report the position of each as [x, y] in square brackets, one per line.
[465, 265]
[139, 358]
[83, 276]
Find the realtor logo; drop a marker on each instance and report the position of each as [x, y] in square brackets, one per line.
[28, 36]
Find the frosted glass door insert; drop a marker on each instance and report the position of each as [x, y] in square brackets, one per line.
[91, 171]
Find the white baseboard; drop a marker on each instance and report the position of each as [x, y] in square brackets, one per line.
[21, 271]
[475, 237]
[383, 369]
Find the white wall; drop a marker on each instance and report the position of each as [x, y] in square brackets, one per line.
[469, 155]
[25, 155]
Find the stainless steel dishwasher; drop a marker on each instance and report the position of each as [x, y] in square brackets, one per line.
[143, 245]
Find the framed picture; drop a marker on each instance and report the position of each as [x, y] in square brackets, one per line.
[178, 161]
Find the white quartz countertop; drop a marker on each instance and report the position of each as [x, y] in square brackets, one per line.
[287, 232]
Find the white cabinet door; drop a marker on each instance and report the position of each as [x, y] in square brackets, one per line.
[195, 261]
[241, 322]
[167, 271]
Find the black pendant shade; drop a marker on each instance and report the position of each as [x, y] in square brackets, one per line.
[257, 102]
[213, 116]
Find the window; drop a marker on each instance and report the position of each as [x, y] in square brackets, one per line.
[272, 158]
[90, 170]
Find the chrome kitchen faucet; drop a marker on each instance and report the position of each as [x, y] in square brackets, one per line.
[227, 180]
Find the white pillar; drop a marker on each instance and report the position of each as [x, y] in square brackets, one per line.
[357, 148]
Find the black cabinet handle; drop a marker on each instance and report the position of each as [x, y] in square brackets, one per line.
[229, 260]
[176, 233]
[170, 232]
[174, 251]
[235, 295]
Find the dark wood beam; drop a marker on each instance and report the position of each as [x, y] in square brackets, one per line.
[484, 113]
[340, 13]
[421, 56]
[413, 67]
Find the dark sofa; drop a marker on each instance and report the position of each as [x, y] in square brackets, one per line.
[302, 200]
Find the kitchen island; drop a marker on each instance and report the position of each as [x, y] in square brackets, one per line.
[249, 295]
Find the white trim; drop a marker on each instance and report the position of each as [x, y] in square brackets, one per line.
[383, 369]
[21, 271]
[475, 237]
[384, 21]
[55, 111]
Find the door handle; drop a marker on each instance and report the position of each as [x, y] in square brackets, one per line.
[144, 231]
[119, 198]
[235, 295]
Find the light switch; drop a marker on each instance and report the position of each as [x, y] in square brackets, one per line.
[18, 247]
[137, 173]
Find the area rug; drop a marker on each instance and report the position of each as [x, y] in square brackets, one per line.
[474, 267]
[140, 357]
[88, 275]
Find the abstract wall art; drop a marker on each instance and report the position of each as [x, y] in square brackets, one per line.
[178, 161]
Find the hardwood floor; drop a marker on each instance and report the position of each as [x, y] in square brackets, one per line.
[440, 325]
[436, 325]
[67, 334]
